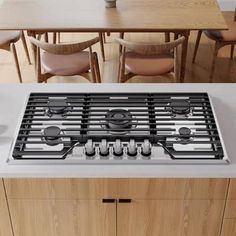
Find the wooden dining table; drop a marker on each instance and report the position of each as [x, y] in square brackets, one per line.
[179, 16]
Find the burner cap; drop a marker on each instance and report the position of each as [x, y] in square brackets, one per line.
[184, 132]
[180, 106]
[51, 135]
[57, 106]
[119, 119]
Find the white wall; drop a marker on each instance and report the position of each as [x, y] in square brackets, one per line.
[227, 5]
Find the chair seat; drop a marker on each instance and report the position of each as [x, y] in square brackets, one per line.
[148, 65]
[65, 65]
[9, 37]
[223, 35]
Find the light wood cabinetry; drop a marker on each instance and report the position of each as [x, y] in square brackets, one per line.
[163, 207]
[60, 188]
[5, 225]
[229, 223]
[62, 217]
[229, 227]
[170, 217]
[230, 210]
[116, 188]
[232, 190]
[173, 188]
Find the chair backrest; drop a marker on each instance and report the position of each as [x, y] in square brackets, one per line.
[150, 49]
[64, 48]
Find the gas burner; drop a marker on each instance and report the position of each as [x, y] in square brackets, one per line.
[57, 107]
[184, 132]
[180, 107]
[118, 119]
[51, 135]
[184, 135]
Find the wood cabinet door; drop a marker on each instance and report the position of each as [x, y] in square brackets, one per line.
[229, 227]
[5, 225]
[63, 217]
[170, 217]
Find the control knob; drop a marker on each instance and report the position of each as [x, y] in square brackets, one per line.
[146, 149]
[118, 148]
[132, 148]
[89, 148]
[104, 148]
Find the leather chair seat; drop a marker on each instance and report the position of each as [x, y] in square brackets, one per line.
[148, 65]
[65, 65]
[223, 35]
[9, 37]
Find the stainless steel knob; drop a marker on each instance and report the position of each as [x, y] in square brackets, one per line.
[146, 149]
[104, 148]
[132, 148]
[89, 148]
[118, 148]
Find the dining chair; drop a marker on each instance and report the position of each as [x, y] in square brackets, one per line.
[66, 60]
[222, 38]
[102, 39]
[7, 43]
[149, 59]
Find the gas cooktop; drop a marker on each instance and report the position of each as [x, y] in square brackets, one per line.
[118, 128]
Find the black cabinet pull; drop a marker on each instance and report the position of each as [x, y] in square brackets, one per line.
[125, 200]
[108, 200]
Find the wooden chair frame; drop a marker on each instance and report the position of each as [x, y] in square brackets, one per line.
[218, 45]
[56, 37]
[66, 49]
[148, 49]
[10, 47]
[101, 36]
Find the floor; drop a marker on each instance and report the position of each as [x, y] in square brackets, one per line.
[195, 73]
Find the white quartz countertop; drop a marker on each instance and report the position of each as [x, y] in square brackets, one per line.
[14, 97]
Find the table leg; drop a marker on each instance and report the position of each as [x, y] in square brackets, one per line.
[184, 55]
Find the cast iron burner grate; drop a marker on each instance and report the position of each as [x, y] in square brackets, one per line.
[176, 121]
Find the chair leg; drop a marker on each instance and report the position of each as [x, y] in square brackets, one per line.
[25, 46]
[33, 47]
[13, 49]
[214, 61]
[120, 77]
[232, 52]
[97, 70]
[121, 73]
[102, 46]
[197, 45]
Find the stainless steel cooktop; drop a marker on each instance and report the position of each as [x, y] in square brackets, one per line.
[118, 128]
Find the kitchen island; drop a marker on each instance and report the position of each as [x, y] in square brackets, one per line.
[13, 99]
[140, 200]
